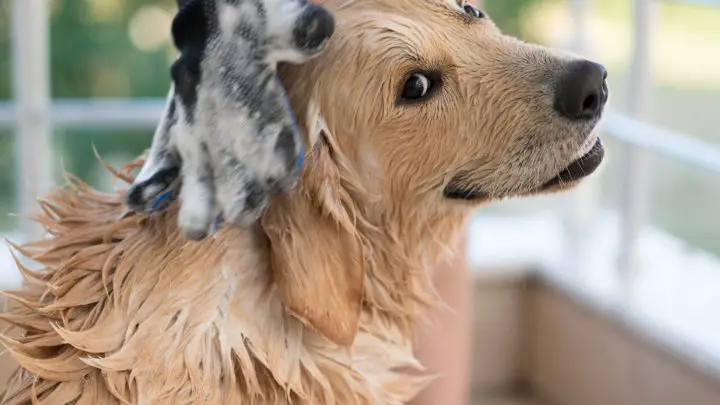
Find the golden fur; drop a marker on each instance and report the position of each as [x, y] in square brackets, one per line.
[317, 304]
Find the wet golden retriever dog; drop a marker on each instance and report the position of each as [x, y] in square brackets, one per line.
[418, 112]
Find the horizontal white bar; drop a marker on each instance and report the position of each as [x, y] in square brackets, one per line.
[676, 145]
[711, 3]
[135, 113]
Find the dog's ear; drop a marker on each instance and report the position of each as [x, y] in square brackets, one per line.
[317, 254]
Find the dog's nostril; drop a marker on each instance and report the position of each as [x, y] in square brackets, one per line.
[590, 103]
[580, 90]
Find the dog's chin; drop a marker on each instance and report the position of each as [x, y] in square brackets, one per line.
[569, 177]
[576, 171]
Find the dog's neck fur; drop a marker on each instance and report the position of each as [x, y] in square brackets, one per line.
[123, 296]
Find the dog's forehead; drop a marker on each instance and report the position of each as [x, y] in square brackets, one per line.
[454, 5]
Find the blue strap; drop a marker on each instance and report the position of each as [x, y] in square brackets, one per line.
[218, 223]
[163, 201]
[293, 122]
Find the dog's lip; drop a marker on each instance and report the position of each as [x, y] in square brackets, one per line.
[579, 168]
[455, 192]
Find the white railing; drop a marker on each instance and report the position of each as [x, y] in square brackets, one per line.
[34, 116]
[31, 79]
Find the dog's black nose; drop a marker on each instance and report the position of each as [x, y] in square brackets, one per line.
[315, 26]
[582, 91]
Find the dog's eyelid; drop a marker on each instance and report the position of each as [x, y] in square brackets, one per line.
[434, 73]
[435, 77]
[457, 4]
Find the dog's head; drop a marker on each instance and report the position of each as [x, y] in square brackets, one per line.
[421, 107]
[442, 106]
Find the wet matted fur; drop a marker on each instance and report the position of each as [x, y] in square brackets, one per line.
[317, 304]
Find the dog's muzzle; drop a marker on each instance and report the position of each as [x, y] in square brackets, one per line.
[314, 27]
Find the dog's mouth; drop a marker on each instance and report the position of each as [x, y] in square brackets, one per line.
[566, 178]
[579, 168]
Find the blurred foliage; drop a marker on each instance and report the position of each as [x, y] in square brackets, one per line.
[7, 164]
[92, 53]
[7, 180]
[93, 56]
[508, 14]
[4, 54]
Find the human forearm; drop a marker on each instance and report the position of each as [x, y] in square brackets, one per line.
[444, 346]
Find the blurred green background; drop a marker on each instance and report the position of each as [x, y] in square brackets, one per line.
[121, 48]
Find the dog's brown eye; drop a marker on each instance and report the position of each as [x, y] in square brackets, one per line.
[416, 87]
[473, 11]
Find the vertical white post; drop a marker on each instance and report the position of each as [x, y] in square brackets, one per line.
[583, 202]
[30, 58]
[635, 159]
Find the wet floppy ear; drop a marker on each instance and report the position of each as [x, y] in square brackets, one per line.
[316, 255]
